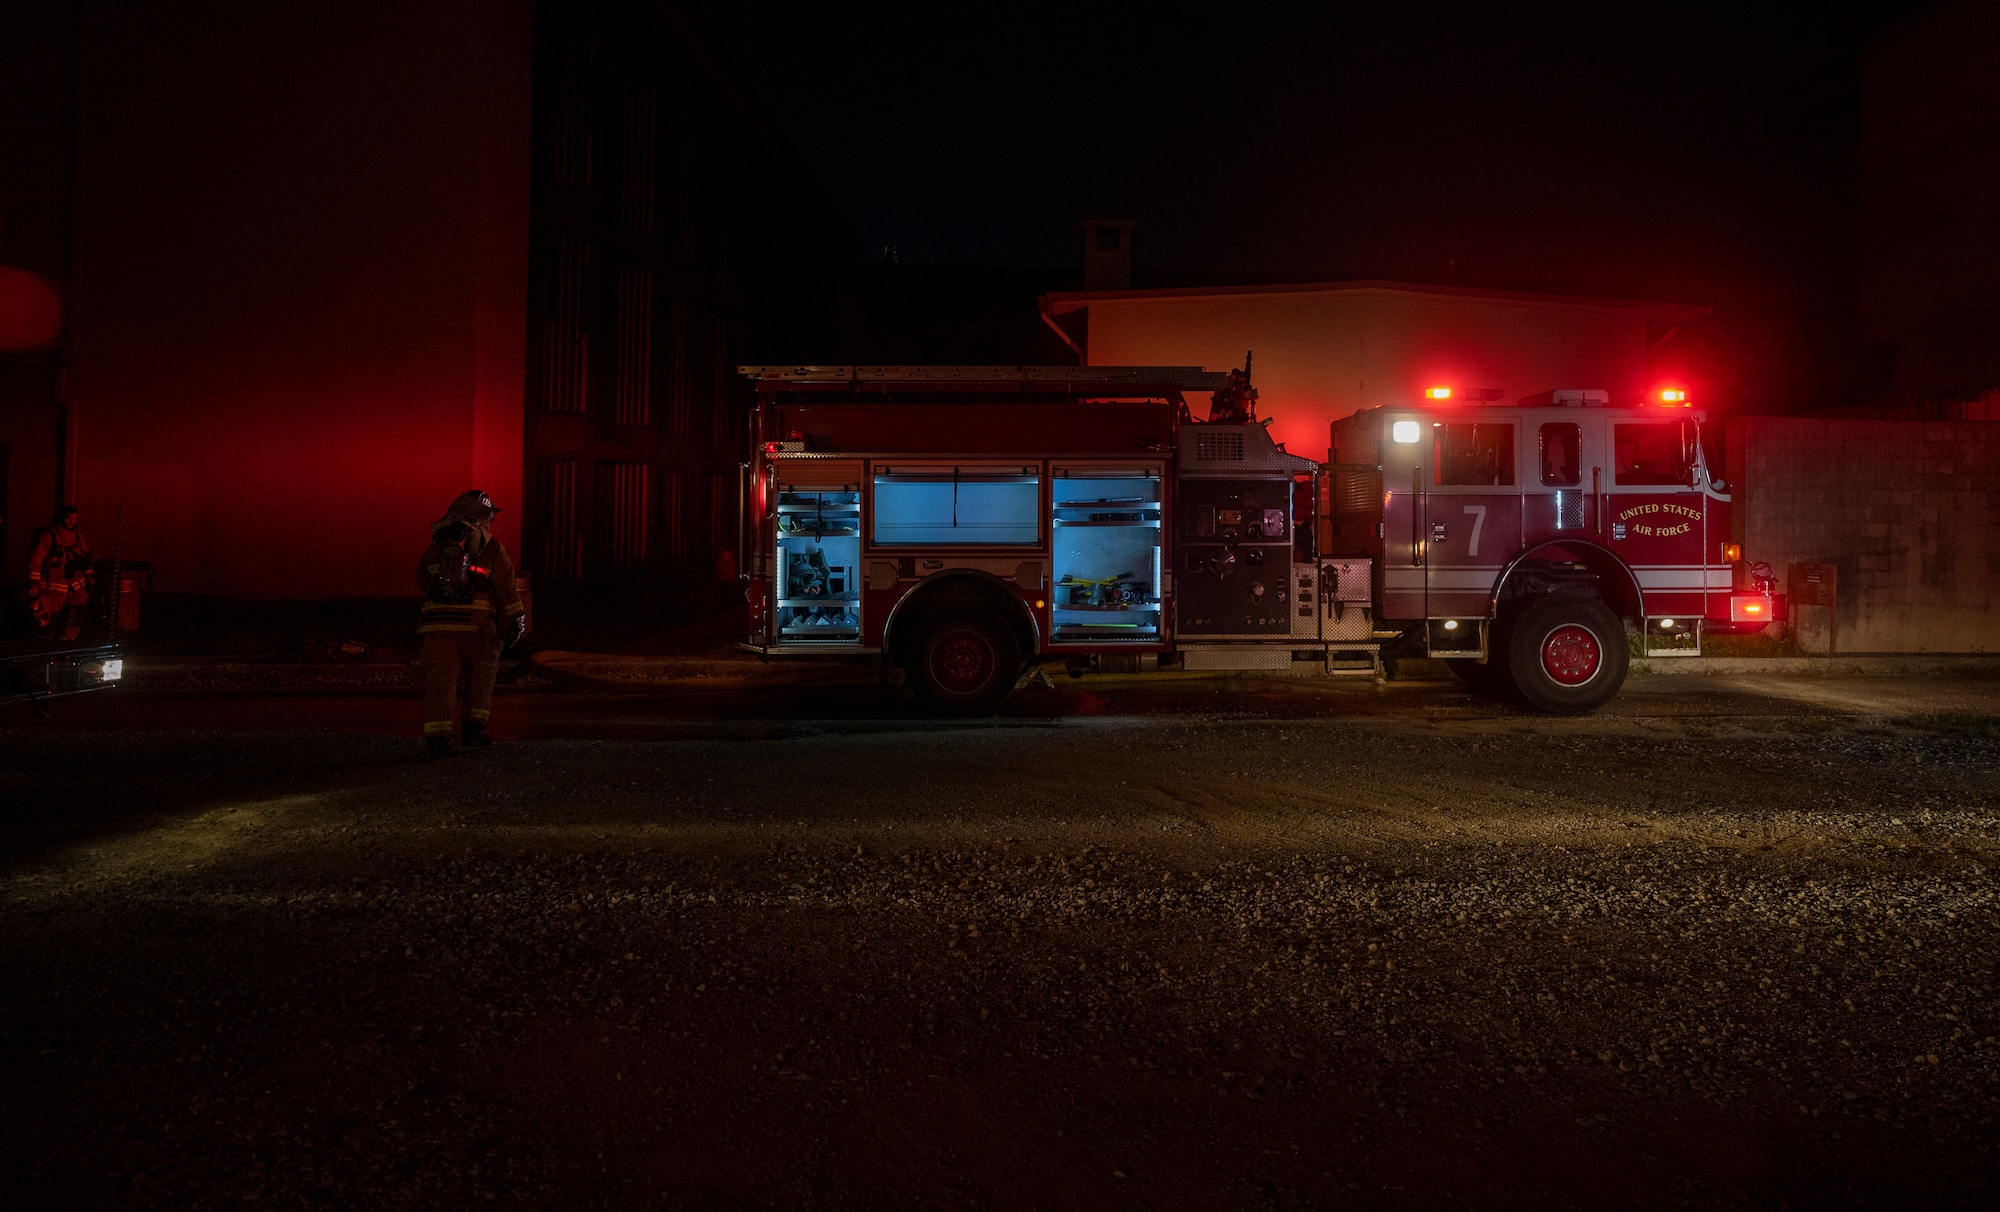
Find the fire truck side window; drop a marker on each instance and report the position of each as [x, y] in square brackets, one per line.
[1466, 452]
[1561, 468]
[1651, 454]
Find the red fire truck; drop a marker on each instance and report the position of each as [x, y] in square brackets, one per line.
[967, 525]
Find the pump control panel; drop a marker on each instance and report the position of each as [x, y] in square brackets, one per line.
[1235, 545]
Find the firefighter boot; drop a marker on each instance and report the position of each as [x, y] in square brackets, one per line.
[475, 735]
[436, 747]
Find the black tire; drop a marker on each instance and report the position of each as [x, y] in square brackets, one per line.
[964, 662]
[1564, 653]
[1486, 679]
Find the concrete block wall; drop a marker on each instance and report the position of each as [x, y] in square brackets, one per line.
[1908, 511]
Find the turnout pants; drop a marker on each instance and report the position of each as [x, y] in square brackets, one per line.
[448, 655]
[61, 603]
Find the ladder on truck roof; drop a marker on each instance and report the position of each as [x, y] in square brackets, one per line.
[1185, 378]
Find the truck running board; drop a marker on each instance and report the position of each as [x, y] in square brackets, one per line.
[1350, 659]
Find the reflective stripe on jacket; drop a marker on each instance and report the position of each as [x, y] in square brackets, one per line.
[53, 552]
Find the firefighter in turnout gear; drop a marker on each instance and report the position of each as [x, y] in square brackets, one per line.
[59, 576]
[471, 613]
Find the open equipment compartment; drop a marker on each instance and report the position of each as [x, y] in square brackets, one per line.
[975, 503]
[1105, 571]
[818, 565]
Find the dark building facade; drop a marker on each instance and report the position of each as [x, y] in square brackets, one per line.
[324, 266]
[672, 238]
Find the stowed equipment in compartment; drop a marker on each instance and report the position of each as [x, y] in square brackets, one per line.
[1105, 534]
[817, 565]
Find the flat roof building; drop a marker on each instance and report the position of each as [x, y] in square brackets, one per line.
[1326, 349]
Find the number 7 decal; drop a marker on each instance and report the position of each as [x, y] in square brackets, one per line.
[1478, 513]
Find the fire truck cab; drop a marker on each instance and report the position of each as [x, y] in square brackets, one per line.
[1525, 544]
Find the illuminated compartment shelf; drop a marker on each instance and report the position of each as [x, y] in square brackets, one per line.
[820, 603]
[819, 529]
[1152, 523]
[1135, 608]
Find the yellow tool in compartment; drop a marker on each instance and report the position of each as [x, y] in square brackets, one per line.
[1102, 593]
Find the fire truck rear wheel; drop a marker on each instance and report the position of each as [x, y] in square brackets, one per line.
[965, 662]
[1565, 653]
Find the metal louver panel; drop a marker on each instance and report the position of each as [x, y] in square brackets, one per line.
[676, 515]
[566, 351]
[637, 163]
[680, 391]
[572, 109]
[634, 388]
[721, 513]
[624, 515]
[720, 414]
[1357, 489]
[559, 537]
[1219, 447]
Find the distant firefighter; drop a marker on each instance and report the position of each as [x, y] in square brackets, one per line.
[471, 613]
[59, 576]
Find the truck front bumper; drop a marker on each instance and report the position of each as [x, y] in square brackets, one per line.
[31, 675]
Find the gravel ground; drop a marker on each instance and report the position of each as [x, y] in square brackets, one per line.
[1178, 961]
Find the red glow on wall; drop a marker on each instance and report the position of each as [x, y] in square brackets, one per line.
[30, 311]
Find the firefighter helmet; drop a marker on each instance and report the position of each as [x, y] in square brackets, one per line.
[472, 505]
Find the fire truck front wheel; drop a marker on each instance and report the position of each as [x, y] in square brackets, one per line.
[1565, 653]
[964, 661]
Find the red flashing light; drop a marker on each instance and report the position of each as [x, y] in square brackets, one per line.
[1749, 608]
[1437, 393]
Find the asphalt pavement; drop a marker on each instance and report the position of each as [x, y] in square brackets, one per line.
[1166, 941]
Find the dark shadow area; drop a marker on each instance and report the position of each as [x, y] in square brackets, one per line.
[68, 786]
[192, 625]
[1502, 962]
[692, 615]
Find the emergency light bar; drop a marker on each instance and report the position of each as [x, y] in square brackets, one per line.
[1437, 393]
[1568, 397]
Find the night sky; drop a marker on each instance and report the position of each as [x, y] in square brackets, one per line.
[1659, 150]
